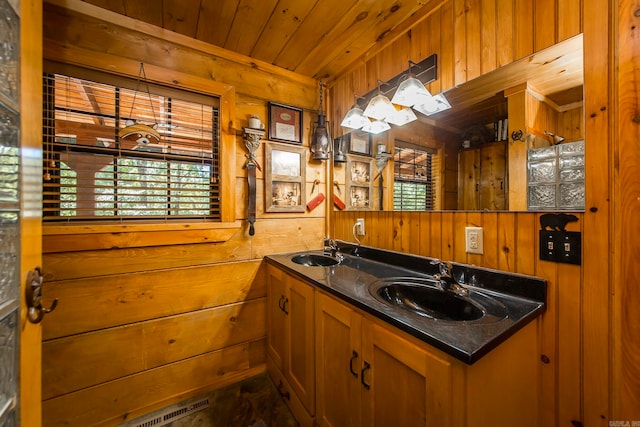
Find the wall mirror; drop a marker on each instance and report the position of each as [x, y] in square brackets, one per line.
[478, 150]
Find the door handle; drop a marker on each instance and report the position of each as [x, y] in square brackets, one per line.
[284, 305]
[33, 294]
[354, 356]
[364, 369]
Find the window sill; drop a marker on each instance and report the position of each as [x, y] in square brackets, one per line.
[93, 236]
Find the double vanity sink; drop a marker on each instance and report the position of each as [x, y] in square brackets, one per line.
[462, 310]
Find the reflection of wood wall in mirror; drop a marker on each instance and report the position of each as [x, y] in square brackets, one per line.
[553, 75]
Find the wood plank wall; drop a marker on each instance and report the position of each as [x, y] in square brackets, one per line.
[150, 315]
[511, 244]
[470, 37]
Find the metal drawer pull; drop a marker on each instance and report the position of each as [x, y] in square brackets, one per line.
[354, 356]
[284, 394]
[364, 369]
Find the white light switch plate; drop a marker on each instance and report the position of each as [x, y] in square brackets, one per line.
[475, 244]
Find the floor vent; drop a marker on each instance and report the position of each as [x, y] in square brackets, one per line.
[169, 415]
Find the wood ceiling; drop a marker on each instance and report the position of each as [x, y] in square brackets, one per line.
[316, 38]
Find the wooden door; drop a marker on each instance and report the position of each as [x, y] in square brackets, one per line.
[277, 331]
[339, 362]
[492, 176]
[300, 364]
[408, 386]
[20, 208]
[468, 179]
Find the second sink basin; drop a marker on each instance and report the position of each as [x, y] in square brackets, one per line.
[423, 298]
[314, 260]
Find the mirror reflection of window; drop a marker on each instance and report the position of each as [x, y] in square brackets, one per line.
[414, 181]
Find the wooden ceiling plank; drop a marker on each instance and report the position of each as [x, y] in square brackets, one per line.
[282, 24]
[114, 5]
[139, 9]
[380, 16]
[319, 22]
[248, 25]
[215, 20]
[369, 43]
[181, 16]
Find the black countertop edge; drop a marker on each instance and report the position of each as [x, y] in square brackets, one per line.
[520, 285]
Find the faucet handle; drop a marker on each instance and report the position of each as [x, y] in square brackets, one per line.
[445, 267]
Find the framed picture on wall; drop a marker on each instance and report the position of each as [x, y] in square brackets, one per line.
[285, 123]
[359, 179]
[360, 143]
[285, 176]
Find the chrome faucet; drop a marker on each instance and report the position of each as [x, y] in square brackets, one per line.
[331, 249]
[445, 280]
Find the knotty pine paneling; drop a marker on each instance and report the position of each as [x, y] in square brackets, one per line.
[511, 244]
[470, 37]
[114, 402]
[149, 316]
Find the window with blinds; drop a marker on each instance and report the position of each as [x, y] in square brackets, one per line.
[413, 185]
[128, 150]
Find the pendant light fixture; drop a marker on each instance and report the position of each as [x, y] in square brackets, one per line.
[376, 127]
[411, 91]
[320, 140]
[402, 116]
[379, 108]
[354, 119]
[431, 106]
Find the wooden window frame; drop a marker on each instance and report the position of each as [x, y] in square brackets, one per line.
[227, 223]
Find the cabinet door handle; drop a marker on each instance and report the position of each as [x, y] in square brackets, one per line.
[33, 295]
[284, 305]
[354, 356]
[280, 305]
[364, 369]
[284, 394]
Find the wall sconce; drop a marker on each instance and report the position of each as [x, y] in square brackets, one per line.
[320, 140]
[340, 149]
[379, 108]
[354, 119]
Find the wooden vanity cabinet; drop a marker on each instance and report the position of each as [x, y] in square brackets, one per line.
[290, 342]
[370, 375]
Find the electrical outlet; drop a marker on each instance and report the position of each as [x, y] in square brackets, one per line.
[359, 227]
[474, 240]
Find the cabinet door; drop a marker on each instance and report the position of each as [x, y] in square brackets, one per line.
[277, 332]
[339, 361]
[408, 385]
[300, 368]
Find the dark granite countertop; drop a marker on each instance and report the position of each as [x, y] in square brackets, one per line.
[521, 298]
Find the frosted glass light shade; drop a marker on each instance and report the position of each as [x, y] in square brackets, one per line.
[409, 92]
[379, 107]
[354, 119]
[402, 117]
[376, 127]
[434, 105]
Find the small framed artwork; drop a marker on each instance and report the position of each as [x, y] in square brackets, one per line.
[359, 179]
[285, 176]
[285, 123]
[360, 143]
